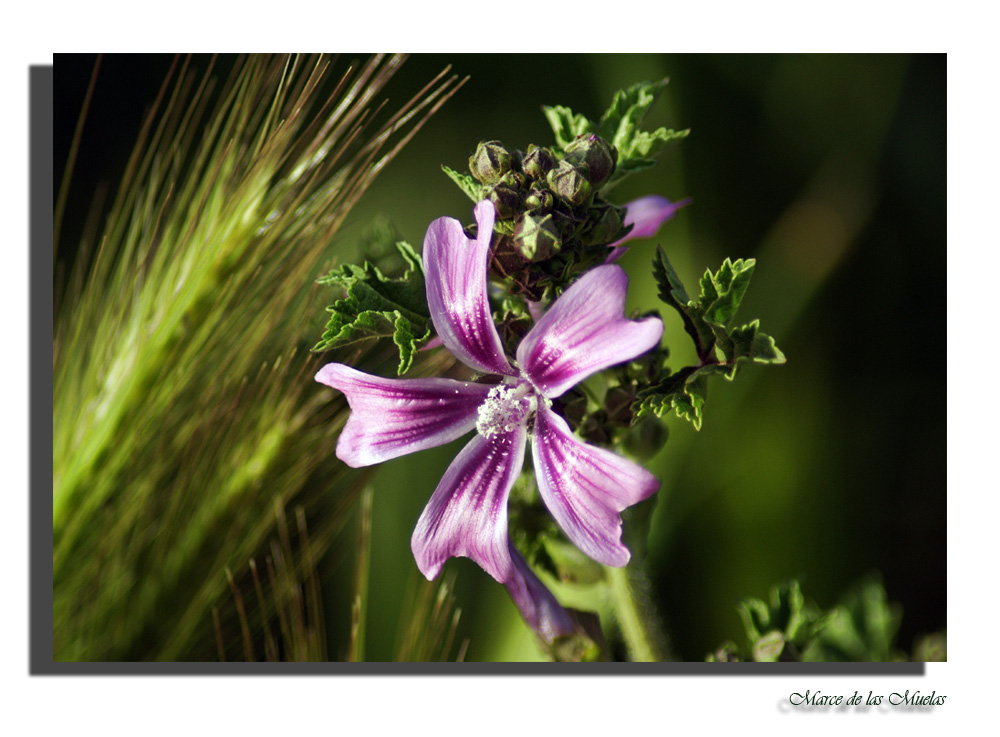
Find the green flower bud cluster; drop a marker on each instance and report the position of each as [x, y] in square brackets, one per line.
[551, 220]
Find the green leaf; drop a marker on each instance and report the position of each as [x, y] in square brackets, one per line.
[720, 349]
[628, 107]
[631, 166]
[784, 619]
[673, 293]
[620, 125]
[466, 183]
[863, 627]
[749, 344]
[649, 143]
[565, 125]
[689, 404]
[376, 307]
[722, 292]
[684, 392]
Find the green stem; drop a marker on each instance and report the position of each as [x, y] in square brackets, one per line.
[639, 626]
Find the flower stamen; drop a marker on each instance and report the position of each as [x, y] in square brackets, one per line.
[505, 408]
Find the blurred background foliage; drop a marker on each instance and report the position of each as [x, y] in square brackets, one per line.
[830, 171]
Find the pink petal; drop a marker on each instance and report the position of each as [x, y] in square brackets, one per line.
[393, 417]
[586, 487]
[584, 331]
[537, 604]
[467, 514]
[647, 214]
[456, 292]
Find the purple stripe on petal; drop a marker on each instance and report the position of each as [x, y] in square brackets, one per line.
[456, 292]
[584, 331]
[586, 487]
[467, 514]
[537, 604]
[393, 417]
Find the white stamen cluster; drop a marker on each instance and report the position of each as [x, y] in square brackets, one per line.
[505, 408]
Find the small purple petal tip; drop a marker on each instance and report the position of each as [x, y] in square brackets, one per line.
[646, 215]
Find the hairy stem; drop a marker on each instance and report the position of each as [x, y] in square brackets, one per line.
[637, 619]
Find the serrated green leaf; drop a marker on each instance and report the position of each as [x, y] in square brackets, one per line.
[720, 350]
[749, 344]
[565, 124]
[673, 293]
[620, 125]
[408, 339]
[628, 107]
[466, 183]
[722, 292]
[376, 307]
[631, 166]
[347, 326]
[765, 351]
[689, 404]
[684, 392]
[649, 143]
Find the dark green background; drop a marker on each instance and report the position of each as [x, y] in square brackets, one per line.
[830, 170]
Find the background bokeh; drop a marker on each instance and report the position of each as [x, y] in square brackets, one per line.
[830, 171]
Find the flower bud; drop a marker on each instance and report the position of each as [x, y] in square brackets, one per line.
[506, 201]
[537, 237]
[569, 184]
[603, 225]
[595, 156]
[515, 180]
[539, 199]
[490, 162]
[537, 162]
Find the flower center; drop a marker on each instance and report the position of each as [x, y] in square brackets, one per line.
[505, 408]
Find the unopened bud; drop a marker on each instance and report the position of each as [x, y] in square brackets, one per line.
[490, 162]
[506, 201]
[515, 180]
[537, 237]
[539, 199]
[603, 225]
[569, 184]
[595, 156]
[537, 162]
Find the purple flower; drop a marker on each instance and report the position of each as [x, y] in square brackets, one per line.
[584, 487]
[647, 214]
